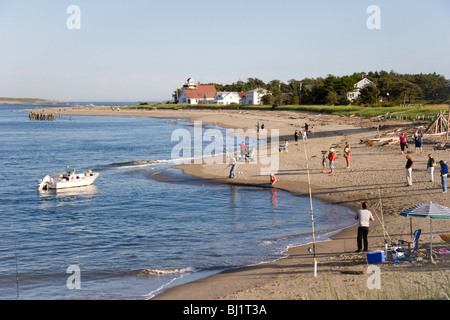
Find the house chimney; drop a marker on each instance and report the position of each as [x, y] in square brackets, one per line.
[362, 75]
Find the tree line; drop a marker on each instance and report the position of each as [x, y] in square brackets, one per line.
[391, 88]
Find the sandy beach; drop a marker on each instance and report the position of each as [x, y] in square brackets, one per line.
[376, 175]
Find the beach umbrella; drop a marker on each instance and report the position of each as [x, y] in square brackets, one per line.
[428, 210]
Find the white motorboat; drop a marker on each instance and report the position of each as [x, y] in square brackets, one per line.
[68, 179]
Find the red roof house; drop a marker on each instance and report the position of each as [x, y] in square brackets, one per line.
[192, 93]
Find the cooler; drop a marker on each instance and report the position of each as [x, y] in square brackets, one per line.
[376, 256]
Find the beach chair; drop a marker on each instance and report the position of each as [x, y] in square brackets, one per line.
[407, 251]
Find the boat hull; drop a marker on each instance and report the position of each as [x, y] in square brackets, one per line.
[74, 182]
[79, 181]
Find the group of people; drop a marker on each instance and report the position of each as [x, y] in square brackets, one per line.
[332, 158]
[303, 133]
[259, 126]
[431, 164]
[245, 155]
[364, 215]
[417, 137]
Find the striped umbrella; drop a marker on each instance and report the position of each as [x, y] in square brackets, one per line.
[428, 210]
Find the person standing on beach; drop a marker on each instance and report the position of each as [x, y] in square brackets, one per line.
[403, 143]
[296, 135]
[305, 136]
[243, 150]
[364, 216]
[409, 164]
[324, 163]
[430, 166]
[233, 164]
[331, 159]
[418, 140]
[347, 154]
[257, 127]
[444, 175]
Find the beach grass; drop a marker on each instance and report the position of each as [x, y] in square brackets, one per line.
[393, 112]
[436, 288]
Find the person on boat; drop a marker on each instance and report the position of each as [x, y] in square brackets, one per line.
[67, 173]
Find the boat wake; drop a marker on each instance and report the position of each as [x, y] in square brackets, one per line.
[145, 163]
[135, 164]
[163, 272]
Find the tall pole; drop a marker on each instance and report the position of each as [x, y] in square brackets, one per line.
[360, 118]
[447, 85]
[312, 214]
[448, 120]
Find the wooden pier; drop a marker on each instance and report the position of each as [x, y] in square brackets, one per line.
[41, 114]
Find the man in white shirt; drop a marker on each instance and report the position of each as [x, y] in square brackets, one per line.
[233, 164]
[364, 216]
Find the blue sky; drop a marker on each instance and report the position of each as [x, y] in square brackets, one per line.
[143, 50]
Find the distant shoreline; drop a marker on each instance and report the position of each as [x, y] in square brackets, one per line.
[16, 101]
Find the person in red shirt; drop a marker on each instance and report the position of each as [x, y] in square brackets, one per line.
[331, 159]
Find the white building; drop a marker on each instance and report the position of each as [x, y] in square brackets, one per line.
[195, 93]
[226, 98]
[359, 85]
[254, 96]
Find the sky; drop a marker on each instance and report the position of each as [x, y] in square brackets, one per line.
[140, 50]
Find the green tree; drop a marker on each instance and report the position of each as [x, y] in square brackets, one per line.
[274, 87]
[330, 83]
[267, 99]
[332, 98]
[369, 94]
[344, 84]
[255, 83]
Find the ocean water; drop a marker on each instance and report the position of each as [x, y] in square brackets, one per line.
[129, 236]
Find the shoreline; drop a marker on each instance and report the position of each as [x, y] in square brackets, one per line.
[211, 287]
[377, 175]
[202, 285]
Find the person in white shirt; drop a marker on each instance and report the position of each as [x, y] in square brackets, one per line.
[364, 216]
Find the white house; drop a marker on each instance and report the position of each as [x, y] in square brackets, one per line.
[359, 85]
[254, 96]
[226, 98]
[195, 93]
